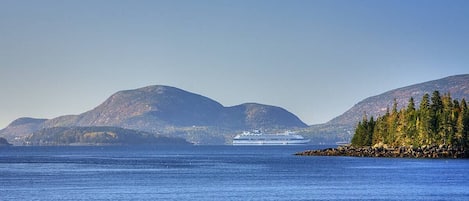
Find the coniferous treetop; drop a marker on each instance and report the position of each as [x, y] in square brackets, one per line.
[441, 121]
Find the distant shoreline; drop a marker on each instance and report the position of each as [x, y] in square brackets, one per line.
[431, 151]
[4, 142]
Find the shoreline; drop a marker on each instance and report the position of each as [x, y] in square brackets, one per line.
[430, 151]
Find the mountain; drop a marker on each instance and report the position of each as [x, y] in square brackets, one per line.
[171, 111]
[17, 130]
[457, 86]
[147, 108]
[201, 120]
[258, 116]
[342, 127]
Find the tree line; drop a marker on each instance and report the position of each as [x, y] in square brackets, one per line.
[97, 135]
[438, 120]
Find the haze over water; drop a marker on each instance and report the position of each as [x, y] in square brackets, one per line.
[314, 58]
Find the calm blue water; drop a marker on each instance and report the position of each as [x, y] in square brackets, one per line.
[221, 173]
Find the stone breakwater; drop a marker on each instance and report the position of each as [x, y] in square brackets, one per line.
[433, 151]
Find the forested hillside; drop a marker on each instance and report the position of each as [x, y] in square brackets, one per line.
[97, 136]
[439, 120]
[342, 127]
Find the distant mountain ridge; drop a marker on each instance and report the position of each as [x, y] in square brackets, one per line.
[201, 120]
[153, 107]
[166, 110]
[133, 108]
[457, 86]
[17, 130]
[342, 127]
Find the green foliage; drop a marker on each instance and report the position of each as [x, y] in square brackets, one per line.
[364, 133]
[96, 136]
[439, 121]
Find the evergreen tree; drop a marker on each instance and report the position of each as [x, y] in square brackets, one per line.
[447, 126]
[381, 129]
[359, 136]
[465, 124]
[411, 122]
[411, 105]
[423, 121]
[435, 117]
[401, 128]
[392, 125]
[364, 132]
[441, 121]
[460, 135]
[370, 126]
[394, 106]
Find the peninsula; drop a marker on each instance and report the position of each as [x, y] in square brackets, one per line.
[439, 128]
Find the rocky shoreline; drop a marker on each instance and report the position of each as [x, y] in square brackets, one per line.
[431, 151]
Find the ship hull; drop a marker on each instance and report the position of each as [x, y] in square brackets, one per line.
[269, 139]
[267, 142]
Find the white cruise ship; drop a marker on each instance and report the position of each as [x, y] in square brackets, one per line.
[258, 138]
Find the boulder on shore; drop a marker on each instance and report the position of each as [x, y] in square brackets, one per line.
[432, 151]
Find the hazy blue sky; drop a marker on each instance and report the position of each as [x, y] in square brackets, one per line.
[314, 58]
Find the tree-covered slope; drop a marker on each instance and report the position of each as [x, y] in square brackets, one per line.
[342, 127]
[439, 120]
[457, 86]
[97, 136]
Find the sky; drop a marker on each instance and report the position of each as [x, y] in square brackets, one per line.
[314, 58]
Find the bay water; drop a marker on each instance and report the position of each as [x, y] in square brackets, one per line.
[222, 173]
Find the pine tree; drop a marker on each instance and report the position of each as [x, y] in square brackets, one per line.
[411, 122]
[401, 129]
[364, 132]
[358, 137]
[460, 135]
[435, 117]
[411, 105]
[370, 126]
[423, 121]
[465, 124]
[381, 129]
[392, 125]
[446, 126]
[441, 121]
